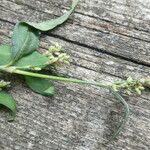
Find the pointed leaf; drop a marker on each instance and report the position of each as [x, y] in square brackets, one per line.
[26, 34]
[5, 54]
[39, 85]
[124, 117]
[25, 40]
[34, 59]
[50, 24]
[9, 102]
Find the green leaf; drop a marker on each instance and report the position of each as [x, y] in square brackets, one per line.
[26, 34]
[9, 102]
[5, 54]
[125, 115]
[39, 85]
[32, 60]
[25, 40]
[50, 24]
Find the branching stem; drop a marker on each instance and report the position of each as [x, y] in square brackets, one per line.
[128, 85]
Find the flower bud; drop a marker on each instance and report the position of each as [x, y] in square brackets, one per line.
[138, 91]
[56, 56]
[4, 84]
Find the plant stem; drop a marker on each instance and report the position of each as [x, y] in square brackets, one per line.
[56, 78]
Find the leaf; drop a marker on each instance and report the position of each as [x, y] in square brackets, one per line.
[35, 59]
[39, 85]
[9, 102]
[26, 34]
[124, 117]
[50, 24]
[5, 54]
[25, 40]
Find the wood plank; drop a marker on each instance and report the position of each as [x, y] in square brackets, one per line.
[78, 117]
[97, 34]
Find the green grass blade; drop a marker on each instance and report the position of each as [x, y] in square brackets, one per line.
[125, 115]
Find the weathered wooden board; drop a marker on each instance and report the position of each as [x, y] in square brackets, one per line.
[107, 40]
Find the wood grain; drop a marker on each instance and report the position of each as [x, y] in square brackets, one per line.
[107, 40]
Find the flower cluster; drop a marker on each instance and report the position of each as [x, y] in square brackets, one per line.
[130, 86]
[56, 55]
[4, 84]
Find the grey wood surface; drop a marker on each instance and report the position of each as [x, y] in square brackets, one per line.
[107, 40]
